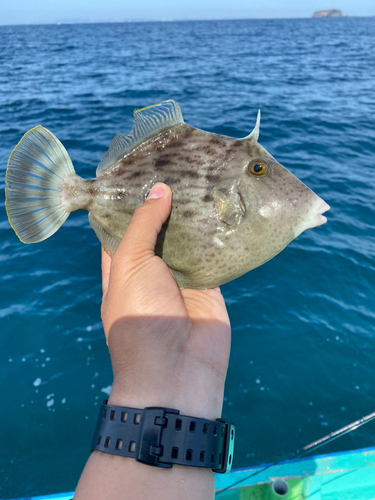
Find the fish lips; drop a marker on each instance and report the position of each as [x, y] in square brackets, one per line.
[321, 208]
[316, 215]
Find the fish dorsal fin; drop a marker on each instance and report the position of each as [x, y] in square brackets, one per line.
[147, 123]
[254, 136]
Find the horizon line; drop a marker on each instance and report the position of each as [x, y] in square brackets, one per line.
[125, 21]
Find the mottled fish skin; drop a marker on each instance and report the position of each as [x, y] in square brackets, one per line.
[202, 248]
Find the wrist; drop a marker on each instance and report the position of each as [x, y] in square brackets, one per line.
[187, 406]
[195, 395]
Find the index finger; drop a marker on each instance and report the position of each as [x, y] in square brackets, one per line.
[106, 268]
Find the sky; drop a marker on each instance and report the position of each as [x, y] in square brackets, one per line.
[70, 11]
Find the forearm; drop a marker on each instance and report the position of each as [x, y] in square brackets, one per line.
[111, 477]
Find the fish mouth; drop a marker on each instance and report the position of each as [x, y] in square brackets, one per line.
[320, 208]
[314, 217]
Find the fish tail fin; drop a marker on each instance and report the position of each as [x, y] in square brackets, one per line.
[37, 168]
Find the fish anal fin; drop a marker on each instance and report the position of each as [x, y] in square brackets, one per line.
[148, 122]
[229, 207]
[109, 243]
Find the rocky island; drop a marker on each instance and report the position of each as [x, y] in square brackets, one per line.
[328, 13]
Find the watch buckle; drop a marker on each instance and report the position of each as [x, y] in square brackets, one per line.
[148, 448]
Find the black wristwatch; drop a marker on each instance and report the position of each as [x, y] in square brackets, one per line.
[162, 437]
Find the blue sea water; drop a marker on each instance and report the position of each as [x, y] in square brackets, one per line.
[302, 360]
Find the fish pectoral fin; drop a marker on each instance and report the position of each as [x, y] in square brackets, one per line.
[109, 244]
[229, 207]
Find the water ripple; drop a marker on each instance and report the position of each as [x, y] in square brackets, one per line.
[303, 324]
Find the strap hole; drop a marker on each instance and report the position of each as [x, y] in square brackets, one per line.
[192, 426]
[205, 428]
[230, 459]
[119, 444]
[189, 455]
[107, 442]
[215, 430]
[178, 424]
[174, 452]
[132, 446]
[113, 414]
[98, 440]
[137, 418]
[104, 414]
[124, 416]
[232, 434]
[212, 458]
[222, 431]
[202, 456]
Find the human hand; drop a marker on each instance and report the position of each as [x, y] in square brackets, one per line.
[169, 347]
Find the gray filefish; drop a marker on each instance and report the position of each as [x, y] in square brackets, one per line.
[234, 206]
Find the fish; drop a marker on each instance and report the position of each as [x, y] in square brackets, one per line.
[234, 207]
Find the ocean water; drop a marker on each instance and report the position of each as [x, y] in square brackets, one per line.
[302, 360]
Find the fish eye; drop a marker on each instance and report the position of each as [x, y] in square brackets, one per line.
[258, 167]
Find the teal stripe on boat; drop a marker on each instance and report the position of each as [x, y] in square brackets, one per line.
[345, 476]
[57, 496]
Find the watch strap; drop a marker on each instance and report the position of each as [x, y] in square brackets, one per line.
[162, 437]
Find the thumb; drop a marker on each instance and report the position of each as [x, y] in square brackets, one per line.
[140, 237]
